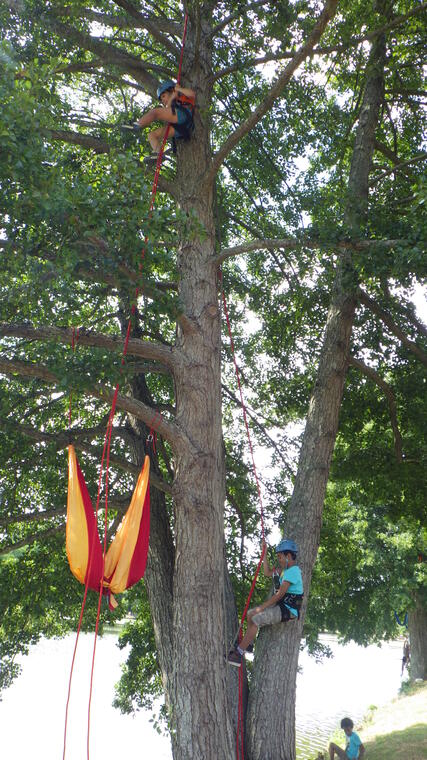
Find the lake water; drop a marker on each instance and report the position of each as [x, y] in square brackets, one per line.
[32, 710]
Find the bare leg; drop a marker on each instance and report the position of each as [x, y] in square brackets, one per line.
[156, 137]
[334, 749]
[158, 114]
[251, 631]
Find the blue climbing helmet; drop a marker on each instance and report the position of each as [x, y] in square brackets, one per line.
[287, 545]
[164, 87]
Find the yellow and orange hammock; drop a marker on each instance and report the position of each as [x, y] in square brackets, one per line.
[126, 558]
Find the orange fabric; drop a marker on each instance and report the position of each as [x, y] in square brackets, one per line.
[77, 541]
[119, 556]
[126, 558]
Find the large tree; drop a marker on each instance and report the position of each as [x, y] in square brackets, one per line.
[76, 200]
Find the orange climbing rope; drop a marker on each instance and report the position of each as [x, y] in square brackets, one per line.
[106, 449]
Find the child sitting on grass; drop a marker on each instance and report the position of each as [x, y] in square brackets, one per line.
[354, 749]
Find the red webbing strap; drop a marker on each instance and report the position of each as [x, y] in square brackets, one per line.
[107, 443]
[240, 717]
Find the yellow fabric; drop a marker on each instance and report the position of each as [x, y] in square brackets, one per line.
[120, 553]
[76, 536]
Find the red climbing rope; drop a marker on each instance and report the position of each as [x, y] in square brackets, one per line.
[107, 442]
[240, 716]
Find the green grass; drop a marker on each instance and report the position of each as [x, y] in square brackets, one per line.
[409, 744]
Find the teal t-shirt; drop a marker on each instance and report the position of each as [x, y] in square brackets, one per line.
[293, 576]
[352, 746]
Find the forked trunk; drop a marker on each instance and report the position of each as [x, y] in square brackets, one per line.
[201, 721]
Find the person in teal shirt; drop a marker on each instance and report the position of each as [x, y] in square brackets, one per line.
[284, 605]
[354, 749]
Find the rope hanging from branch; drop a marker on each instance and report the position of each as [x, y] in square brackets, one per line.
[240, 734]
[113, 570]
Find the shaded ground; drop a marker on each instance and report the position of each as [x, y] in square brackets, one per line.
[396, 731]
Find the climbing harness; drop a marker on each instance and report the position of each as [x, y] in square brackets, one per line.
[290, 600]
[184, 127]
[113, 570]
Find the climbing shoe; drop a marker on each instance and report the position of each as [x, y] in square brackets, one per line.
[149, 160]
[234, 658]
[234, 644]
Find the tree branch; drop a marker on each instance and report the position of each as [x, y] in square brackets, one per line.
[393, 327]
[136, 347]
[28, 517]
[275, 91]
[153, 26]
[252, 62]
[141, 411]
[249, 63]
[76, 138]
[272, 244]
[133, 21]
[26, 369]
[31, 540]
[237, 14]
[65, 437]
[100, 146]
[422, 329]
[107, 52]
[260, 244]
[387, 152]
[398, 166]
[123, 464]
[391, 399]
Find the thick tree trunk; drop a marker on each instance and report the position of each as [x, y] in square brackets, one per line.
[271, 714]
[417, 625]
[200, 715]
[201, 692]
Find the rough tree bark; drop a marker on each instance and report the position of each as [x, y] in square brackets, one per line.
[417, 625]
[200, 693]
[271, 732]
